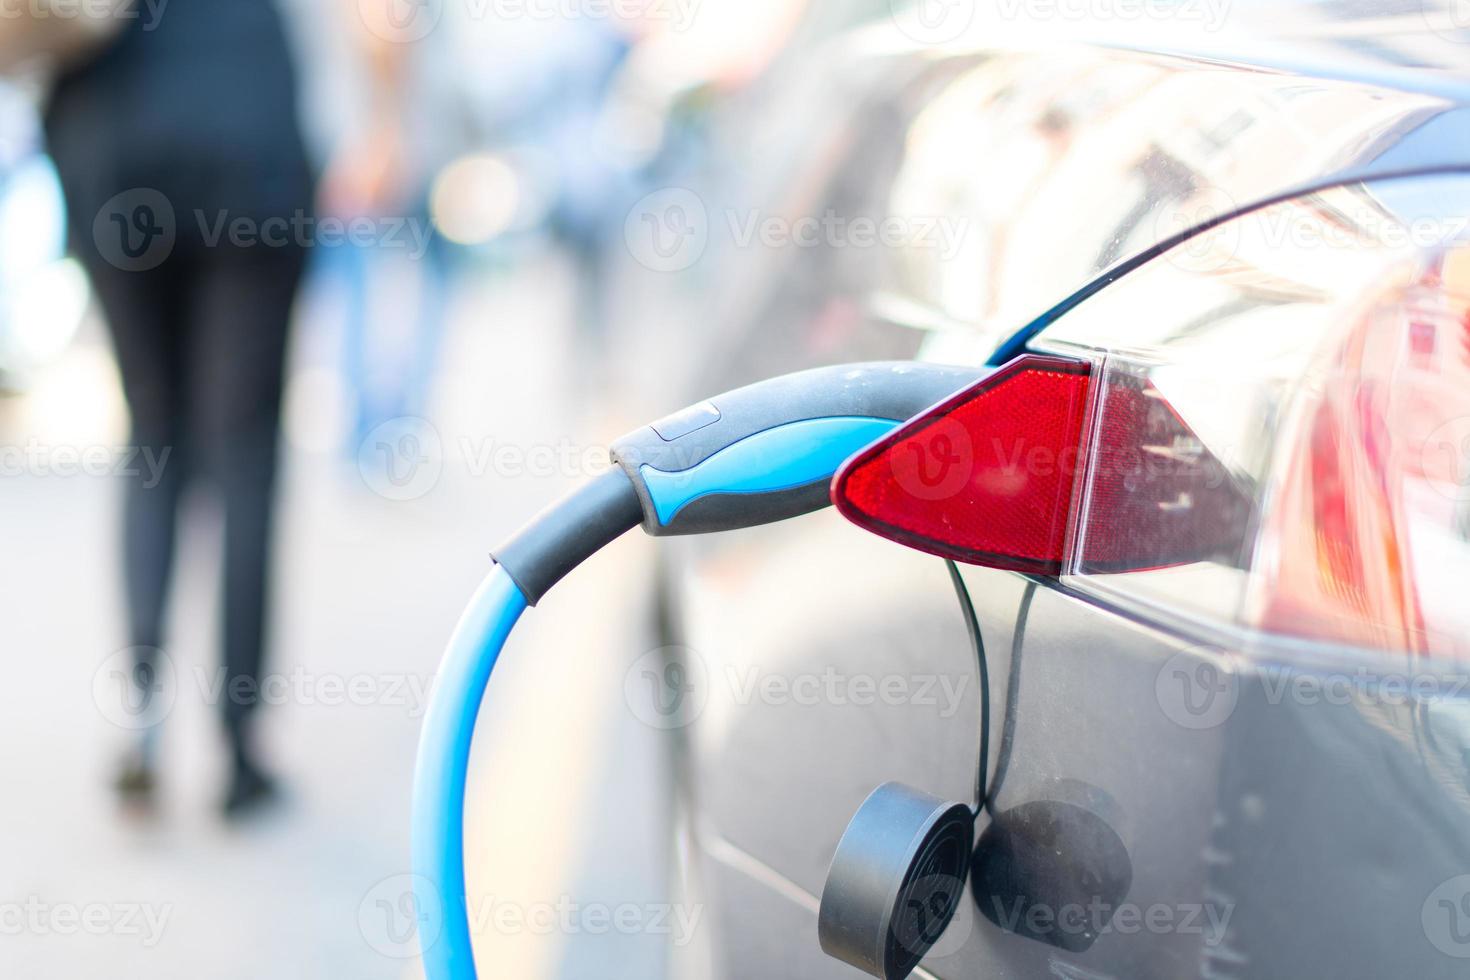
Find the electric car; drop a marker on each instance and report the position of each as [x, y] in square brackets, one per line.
[1222, 727]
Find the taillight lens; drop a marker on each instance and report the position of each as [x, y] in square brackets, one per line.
[987, 477]
[992, 476]
[1367, 539]
[1157, 496]
[1274, 433]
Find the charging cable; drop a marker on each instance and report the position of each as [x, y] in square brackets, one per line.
[752, 456]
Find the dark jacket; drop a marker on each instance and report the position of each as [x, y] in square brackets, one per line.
[199, 105]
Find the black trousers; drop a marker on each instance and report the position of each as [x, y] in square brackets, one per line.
[200, 343]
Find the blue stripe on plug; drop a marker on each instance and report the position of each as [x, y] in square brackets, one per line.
[787, 456]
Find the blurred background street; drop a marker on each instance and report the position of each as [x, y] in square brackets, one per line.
[502, 251]
[294, 895]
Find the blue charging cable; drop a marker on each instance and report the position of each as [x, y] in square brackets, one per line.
[443, 765]
[752, 456]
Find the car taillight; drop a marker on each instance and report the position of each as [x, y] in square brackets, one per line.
[1369, 525]
[987, 477]
[991, 476]
[1269, 427]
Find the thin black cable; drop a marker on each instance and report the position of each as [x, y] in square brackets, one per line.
[1013, 693]
[982, 773]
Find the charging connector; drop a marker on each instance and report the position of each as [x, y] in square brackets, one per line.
[752, 456]
[767, 452]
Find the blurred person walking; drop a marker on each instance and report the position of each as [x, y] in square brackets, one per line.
[179, 151]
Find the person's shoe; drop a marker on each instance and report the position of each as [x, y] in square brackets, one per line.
[250, 791]
[135, 784]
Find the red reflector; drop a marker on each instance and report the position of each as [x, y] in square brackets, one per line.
[986, 477]
[1156, 496]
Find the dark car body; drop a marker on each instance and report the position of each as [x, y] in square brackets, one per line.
[1286, 839]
